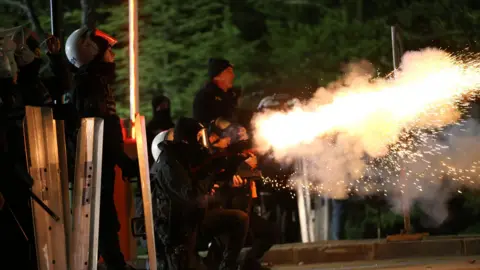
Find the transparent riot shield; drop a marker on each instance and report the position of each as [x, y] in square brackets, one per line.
[86, 193]
[141, 140]
[43, 165]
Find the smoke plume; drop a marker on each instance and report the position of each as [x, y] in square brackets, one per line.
[395, 136]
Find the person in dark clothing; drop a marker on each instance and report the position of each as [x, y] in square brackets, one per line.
[216, 99]
[177, 204]
[162, 120]
[91, 52]
[263, 233]
[16, 222]
[186, 153]
[46, 91]
[279, 204]
[238, 194]
[38, 91]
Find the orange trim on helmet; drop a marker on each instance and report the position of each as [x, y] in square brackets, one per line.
[111, 40]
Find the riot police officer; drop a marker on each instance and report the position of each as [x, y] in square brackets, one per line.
[16, 223]
[239, 193]
[177, 204]
[90, 50]
[216, 99]
[194, 174]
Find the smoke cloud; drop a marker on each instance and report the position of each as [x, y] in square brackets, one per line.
[396, 137]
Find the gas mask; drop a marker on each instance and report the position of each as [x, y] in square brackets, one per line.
[23, 54]
[5, 68]
[8, 66]
[224, 129]
[194, 152]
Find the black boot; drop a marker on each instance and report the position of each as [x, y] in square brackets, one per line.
[253, 265]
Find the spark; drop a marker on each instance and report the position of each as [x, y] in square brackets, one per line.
[400, 124]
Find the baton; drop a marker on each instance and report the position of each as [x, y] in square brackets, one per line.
[44, 206]
[16, 221]
[27, 179]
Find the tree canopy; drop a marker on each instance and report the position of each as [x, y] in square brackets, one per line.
[276, 46]
[290, 46]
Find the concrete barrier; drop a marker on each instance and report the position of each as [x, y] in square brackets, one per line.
[368, 250]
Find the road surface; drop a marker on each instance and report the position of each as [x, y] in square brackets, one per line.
[457, 263]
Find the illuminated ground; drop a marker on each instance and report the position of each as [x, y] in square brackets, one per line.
[458, 263]
[440, 252]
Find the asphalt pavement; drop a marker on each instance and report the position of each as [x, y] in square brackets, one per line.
[457, 263]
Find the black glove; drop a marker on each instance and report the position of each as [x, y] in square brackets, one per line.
[130, 168]
[240, 146]
[2, 201]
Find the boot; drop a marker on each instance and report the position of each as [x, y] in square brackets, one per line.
[253, 265]
[224, 265]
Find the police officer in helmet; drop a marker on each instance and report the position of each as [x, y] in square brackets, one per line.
[90, 51]
[178, 204]
[196, 175]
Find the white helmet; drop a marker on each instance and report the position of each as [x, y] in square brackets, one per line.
[81, 49]
[166, 135]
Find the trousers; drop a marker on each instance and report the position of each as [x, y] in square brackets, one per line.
[108, 240]
[233, 226]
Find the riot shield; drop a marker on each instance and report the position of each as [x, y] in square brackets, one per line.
[43, 165]
[86, 193]
[62, 153]
[141, 140]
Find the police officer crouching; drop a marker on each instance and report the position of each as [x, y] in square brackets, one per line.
[236, 192]
[183, 173]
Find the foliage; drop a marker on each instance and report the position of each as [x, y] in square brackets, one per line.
[309, 53]
[275, 45]
[176, 40]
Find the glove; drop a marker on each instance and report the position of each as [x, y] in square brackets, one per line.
[240, 146]
[131, 168]
[2, 201]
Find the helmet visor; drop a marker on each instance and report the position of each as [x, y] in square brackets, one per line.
[203, 138]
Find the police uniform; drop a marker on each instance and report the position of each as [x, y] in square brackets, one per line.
[211, 102]
[94, 97]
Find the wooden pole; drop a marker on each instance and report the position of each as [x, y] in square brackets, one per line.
[133, 59]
